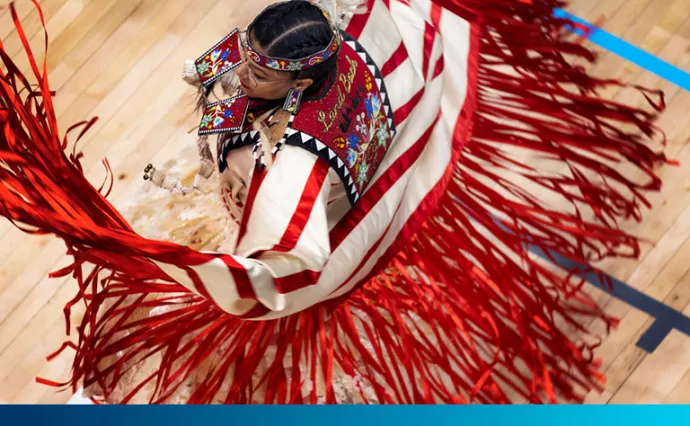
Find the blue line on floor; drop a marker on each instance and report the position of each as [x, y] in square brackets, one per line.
[628, 51]
[665, 317]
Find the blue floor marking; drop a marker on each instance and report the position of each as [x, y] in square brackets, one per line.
[629, 52]
[665, 317]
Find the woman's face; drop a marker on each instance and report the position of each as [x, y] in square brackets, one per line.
[263, 83]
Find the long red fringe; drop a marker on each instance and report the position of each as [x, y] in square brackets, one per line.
[462, 313]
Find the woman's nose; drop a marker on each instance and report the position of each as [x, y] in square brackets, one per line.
[245, 75]
[242, 70]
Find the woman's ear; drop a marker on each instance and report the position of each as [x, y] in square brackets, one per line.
[303, 84]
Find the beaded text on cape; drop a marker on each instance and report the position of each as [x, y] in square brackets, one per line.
[346, 81]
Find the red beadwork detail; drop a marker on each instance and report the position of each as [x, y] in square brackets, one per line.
[224, 116]
[349, 121]
[221, 58]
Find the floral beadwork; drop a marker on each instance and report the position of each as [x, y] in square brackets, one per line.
[353, 150]
[339, 142]
[223, 57]
[371, 133]
[224, 116]
[362, 172]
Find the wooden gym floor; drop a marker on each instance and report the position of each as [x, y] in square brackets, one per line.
[121, 61]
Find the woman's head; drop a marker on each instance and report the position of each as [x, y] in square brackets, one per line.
[289, 30]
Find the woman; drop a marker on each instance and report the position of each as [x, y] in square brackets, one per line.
[376, 246]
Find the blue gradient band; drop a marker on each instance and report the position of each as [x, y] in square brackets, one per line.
[420, 415]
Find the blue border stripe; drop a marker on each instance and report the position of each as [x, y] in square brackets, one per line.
[629, 52]
[345, 415]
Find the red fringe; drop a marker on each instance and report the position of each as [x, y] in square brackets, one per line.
[462, 313]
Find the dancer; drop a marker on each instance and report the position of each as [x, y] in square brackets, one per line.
[361, 232]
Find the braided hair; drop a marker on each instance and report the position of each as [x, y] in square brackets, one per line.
[290, 30]
[294, 30]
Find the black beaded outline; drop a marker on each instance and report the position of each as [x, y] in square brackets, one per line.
[227, 143]
[321, 150]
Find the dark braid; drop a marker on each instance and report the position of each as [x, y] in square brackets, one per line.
[308, 45]
[292, 30]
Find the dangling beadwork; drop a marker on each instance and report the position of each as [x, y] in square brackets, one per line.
[292, 101]
[167, 182]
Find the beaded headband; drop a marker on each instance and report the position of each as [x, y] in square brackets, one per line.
[284, 64]
[226, 55]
